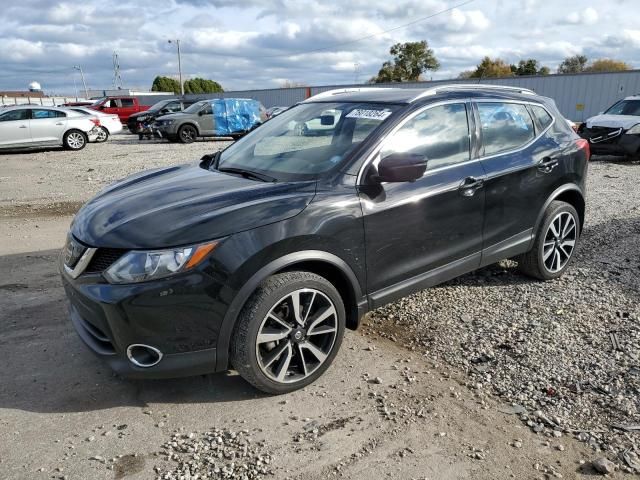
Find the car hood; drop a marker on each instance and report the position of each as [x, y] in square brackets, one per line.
[183, 205]
[174, 116]
[146, 113]
[613, 121]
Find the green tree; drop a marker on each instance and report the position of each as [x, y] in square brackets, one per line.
[202, 85]
[529, 67]
[165, 84]
[491, 68]
[575, 64]
[607, 65]
[410, 60]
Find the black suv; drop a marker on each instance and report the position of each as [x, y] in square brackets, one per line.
[260, 256]
[163, 107]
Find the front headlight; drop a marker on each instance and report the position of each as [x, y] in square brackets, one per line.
[141, 266]
[635, 130]
[166, 122]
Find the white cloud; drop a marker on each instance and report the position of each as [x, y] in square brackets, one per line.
[588, 16]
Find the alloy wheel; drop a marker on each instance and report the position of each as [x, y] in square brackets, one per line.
[188, 134]
[559, 242]
[297, 335]
[75, 140]
[102, 136]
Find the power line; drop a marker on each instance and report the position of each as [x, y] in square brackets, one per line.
[350, 42]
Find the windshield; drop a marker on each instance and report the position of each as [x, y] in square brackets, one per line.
[306, 140]
[625, 107]
[157, 106]
[195, 108]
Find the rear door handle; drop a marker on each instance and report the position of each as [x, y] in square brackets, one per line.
[22, 126]
[60, 123]
[470, 185]
[547, 164]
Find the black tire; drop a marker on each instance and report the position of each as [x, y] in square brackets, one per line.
[243, 349]
[187, 134]
[533, 263]
[75, 140]
[103, 136]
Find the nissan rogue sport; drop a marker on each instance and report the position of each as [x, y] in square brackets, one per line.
[259, 257]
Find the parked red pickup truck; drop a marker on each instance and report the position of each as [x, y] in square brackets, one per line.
[124, 107]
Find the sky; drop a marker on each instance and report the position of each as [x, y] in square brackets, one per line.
[246, 44]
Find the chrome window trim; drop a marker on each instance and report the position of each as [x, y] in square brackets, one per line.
[464, 101]
[82, 263]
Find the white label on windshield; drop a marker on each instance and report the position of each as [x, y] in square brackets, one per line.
[370, 114]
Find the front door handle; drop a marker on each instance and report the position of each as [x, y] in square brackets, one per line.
[470, 186]
[547, 164]
[60, 123]
[22, 126]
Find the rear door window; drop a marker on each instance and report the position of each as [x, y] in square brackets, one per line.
[37, 113]
[505, 126]
[127, 102]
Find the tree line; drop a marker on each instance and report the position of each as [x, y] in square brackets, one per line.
[410, 60]
[193, 85]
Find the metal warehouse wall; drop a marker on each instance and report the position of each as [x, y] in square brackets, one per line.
[578, 96]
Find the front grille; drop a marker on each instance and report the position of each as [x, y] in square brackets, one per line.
[602, 134]
[103, 259]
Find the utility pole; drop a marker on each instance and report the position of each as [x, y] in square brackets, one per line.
[177, 42]
[86, 92]
[117, 79]
[356, 71]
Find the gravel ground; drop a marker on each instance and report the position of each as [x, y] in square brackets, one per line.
[65, 179]
[565, 353]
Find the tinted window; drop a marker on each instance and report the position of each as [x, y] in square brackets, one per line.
[625, 107]
[440, 133]
[208, 109]
[505, 126]
[37, 113]
[83, 112]
[543, 117]
[127, 102]
[14, 115]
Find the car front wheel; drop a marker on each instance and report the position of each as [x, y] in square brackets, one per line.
[187, 134]
[103, 136]
[555, 245]
[75, 140]
[289, 332]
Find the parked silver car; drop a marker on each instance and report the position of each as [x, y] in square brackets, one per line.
[35, 126]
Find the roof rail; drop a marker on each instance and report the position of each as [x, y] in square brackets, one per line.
[338, 91]
[472, 86]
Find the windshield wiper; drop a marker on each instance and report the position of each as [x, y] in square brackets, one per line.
[248, 174]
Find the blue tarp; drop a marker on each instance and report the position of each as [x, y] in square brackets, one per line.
[233, 115]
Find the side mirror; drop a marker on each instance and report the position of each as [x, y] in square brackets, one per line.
[201, 113]
[327, 120]
[401, 167]
[164, 111]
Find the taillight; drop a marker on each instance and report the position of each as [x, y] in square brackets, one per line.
[96, 121]
[583, 144]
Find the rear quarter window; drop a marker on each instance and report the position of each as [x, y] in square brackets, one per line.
[505, 126]
[542, 116]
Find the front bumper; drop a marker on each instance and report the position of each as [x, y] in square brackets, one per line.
[92, 135]
[611, 141]
[177, 316]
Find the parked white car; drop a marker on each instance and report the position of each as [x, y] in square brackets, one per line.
[35, 126]
[109, 122]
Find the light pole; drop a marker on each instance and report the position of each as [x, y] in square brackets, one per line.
[177, 42]
[86, 92]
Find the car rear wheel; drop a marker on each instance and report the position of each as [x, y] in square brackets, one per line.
[75, 140]
[555, 245]
[187, 134]
[289, 332]
[103, 136]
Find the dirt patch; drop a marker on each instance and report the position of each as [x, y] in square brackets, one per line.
[29, 210]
